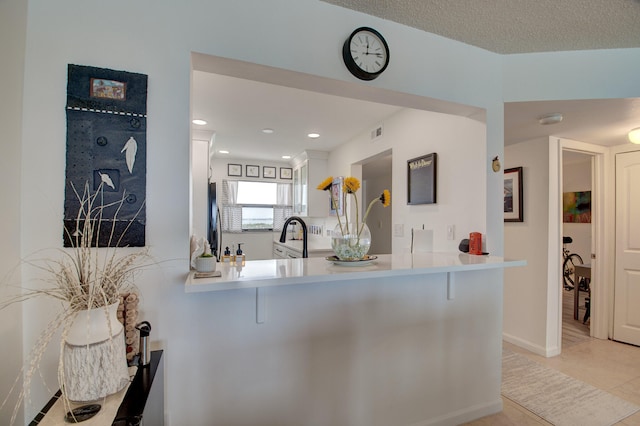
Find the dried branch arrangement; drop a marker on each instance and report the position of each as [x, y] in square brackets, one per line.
[84, 276]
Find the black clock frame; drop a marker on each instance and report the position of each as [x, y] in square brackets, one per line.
[351, 64]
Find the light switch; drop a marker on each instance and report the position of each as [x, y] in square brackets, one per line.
[450, 232]
[398, 230]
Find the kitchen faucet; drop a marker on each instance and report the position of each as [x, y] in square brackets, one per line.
[283, 236]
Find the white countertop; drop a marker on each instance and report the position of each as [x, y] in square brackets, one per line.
[277, 272]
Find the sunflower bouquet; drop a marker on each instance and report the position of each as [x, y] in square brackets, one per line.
[351, 241]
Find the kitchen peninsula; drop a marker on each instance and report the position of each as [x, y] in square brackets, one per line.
[407, 339]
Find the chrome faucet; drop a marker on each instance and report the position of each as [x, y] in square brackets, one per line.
[283, 236]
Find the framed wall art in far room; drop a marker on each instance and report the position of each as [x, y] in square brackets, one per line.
[513, 195]
[253, 171]
[422, 179]
[234, 169]
[268, 172]
[286, 173]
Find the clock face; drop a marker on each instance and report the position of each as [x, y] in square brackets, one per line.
[366, 53]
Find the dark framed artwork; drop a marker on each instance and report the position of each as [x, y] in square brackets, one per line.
[513, 195]
[268, 172]
[286, 173]
[253, 171]
[234, 169]
[422, 173]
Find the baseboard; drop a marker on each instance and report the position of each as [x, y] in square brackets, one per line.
[536, 349]
[463, 416]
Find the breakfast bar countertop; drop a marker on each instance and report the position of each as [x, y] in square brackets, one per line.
[278, 272]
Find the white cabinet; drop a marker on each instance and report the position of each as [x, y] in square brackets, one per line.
[281, 251]
[309, 170]
[284, 251]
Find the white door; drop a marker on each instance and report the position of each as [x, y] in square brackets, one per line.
[626, 322]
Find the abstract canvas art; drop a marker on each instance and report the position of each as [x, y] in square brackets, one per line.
[576, 207]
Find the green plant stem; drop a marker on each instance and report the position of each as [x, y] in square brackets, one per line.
[335, 207]
[364, 219]
[357, 215]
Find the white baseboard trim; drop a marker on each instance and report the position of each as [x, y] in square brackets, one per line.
[536, 349]
[463, 416]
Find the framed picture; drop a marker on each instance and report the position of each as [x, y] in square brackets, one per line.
[337, 197]
[422, 179]
[268, 172]
[253, 171]
[513, 195]
[234, 169]
[108, 89]
[286, 173]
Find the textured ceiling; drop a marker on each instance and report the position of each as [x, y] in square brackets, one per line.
[516, 26]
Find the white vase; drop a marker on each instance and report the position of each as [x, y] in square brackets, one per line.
[94, 355]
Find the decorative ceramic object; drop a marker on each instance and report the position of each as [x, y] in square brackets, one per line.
[347, 244]
[94, 355]
[205, 263]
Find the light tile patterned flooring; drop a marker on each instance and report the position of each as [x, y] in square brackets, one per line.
[610, 366]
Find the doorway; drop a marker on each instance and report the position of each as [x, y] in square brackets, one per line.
[376, 177]
[577, 233]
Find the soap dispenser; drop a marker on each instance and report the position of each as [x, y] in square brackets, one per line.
[240, 258]
[227, 256]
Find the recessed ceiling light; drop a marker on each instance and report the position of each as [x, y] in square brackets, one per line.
[199, 122]
[267, 130]
[222, 151]
[552, 118]
[634, 135]
[286, 157]
[314, 135]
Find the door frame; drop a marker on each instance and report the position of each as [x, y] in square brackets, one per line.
[601, 311]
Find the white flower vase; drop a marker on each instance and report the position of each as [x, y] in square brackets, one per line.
[94, 355]
[351, 245]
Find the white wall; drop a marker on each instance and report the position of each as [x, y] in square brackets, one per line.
[13, 23]
[525, 292]
[552, 76]
[576, 177]
[460, 144]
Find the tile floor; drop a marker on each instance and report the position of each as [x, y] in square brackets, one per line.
[607, 365]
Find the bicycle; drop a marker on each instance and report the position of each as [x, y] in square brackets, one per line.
[568, 264]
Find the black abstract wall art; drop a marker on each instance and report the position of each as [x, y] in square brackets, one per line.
[106, 152]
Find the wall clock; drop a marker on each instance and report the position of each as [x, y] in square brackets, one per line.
[365, 53]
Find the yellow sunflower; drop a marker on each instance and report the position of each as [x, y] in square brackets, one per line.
[326, 184]
[351, 185]
[385, 198]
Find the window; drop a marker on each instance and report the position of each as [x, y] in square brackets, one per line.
[254, 206]
[257, 218]
[256, 192]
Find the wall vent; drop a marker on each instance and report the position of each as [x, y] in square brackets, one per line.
[377, 132]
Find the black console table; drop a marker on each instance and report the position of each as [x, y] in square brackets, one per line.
[143, 404]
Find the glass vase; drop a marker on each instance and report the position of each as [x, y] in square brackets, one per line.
[348, 244]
